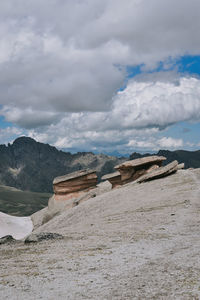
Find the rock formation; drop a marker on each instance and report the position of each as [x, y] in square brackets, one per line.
[133, 169]
[74, 184]
[114, 179]
[181, 166]
[137, 167]
[160, 172]
[56, 207]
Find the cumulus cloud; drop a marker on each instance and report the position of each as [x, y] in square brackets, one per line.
[138, 112]
[9, 134]
[29, 118]
[71, 55]
[155, 144]
[63, 63]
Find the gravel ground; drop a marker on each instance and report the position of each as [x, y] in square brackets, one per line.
[141, 241]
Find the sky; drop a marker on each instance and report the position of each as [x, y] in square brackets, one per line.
[106, 76]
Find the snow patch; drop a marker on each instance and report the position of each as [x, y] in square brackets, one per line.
[18, 227]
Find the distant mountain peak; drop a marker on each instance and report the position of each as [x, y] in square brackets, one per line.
[24, 139]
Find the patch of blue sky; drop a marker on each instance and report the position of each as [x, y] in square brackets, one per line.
[188, 64]
[4, 123]
[187, 131]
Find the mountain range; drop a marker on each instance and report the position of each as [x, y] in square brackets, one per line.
[31, 166]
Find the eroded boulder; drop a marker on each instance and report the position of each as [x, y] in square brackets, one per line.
[114, 179]
[75, 182]
[160, 172]
[133, 169]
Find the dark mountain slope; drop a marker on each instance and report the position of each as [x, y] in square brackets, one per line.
[190, 158]
[30, 165]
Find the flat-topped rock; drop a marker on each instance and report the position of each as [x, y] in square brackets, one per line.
[132, 169]
[114, 179]
[111, 175]
[75, 182]
[160, 172]
[141, 162]
[73, 175]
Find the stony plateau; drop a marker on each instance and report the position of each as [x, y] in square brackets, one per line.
[140, 241]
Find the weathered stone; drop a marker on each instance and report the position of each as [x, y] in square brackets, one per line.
[152, 168]
[181, 166]
[160, 172]
[34, 238]
[114, 179]
[75, 182]
[128, 169]
[7, 239]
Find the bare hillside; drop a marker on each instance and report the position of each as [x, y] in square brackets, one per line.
[140, 241]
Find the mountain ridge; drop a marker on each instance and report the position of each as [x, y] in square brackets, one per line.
[31, 166]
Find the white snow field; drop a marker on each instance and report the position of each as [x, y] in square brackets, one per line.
[18, 227]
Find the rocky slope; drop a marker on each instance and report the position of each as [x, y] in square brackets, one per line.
[140, 241]
[29, 165]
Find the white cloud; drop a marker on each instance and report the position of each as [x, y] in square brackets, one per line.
[62, 64]
[69, 55]
[170, 143]
[137, 113]
[28, 117]
[9, 134]
[153, 143]
[157, 104]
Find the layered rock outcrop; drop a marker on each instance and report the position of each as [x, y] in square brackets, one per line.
[74, 184]
[140, 170]
[114, 179]
[160, 172]
[132, 169]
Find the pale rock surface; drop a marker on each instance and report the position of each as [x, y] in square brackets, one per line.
[56, 207]
[181, 166]
[17, 227]
[114, 179]
[140, 241]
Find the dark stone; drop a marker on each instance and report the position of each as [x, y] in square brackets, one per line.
[38, 237]
[7, 239]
